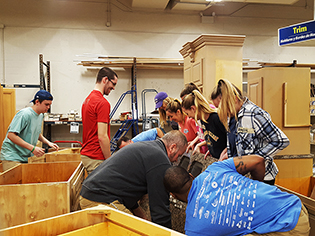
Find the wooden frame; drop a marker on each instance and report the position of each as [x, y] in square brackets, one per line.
[100, 220]
[69, 154]
[293, 116]
[255, 91]
[30, 192]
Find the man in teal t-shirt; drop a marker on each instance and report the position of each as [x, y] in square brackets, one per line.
[24, 132]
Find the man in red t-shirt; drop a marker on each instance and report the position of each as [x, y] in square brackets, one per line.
[95, 120]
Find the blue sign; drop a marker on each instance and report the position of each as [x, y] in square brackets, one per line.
[296, 33]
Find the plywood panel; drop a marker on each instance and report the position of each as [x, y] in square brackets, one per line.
[294, 167]
[69, 154]
[55, 225]
[47, 189]
[296, 111]
[32, 202]
[58, 172]
[230, 70]
[12, 176]
[187, 74]
[8, 106]
[197, 72]
[2, 129]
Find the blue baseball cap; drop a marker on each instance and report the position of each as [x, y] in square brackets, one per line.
[42, 95]
[158, 99]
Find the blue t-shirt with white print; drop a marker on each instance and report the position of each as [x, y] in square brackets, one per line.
[223, 202]
[148, 135]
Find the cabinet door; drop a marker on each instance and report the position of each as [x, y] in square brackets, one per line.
[197, 72]
[187, 74]
[2, 129]
[255, 91]
[296, 104]
[7, 101]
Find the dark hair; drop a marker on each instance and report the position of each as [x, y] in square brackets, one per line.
[40, 100]
[188, 89]
[175, 179]
[106, 72]
[120, 140]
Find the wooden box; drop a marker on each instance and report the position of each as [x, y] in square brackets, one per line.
[30, 192]
[305, 187]
[69, 154]
[295, 177]
[100, 220]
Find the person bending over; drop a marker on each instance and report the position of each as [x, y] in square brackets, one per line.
[135, 170]
[221, 201]
[148, 135]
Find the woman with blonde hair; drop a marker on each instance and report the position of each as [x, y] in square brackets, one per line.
[185, 124]
[255, 132]
[195, 105]
[161, 101]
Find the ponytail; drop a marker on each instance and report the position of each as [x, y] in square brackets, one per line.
[229, 94]
[173, 106]
[162, 112]
[200, 102]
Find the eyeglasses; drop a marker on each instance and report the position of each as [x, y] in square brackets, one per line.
[114, 84]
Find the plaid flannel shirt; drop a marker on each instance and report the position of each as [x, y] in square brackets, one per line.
[256, 134]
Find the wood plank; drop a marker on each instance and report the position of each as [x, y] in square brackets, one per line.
[118, 223]
[32, 202]
[45, 191]
[134, 224]
[2, 129]
[38, 172]
[299, 185]
[12, 176]
[55, 225]
[75, 185]
[8, 106]
[63, 157]
[35, 159]
[97, 229]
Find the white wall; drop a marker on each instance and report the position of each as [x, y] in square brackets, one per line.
[63, 29]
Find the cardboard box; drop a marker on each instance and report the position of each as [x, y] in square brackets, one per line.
[100, 220]
[30, 192]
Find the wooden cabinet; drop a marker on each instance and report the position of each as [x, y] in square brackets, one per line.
[7, 110]
[212, 57]
[284, 92]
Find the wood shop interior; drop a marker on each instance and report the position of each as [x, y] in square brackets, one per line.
[265, 48]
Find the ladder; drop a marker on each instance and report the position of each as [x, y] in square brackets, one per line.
[128, 123]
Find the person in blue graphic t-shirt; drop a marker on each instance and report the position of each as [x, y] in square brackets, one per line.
[148, 135]
[221, 201]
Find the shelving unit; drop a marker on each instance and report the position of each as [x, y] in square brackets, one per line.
[134, 64]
